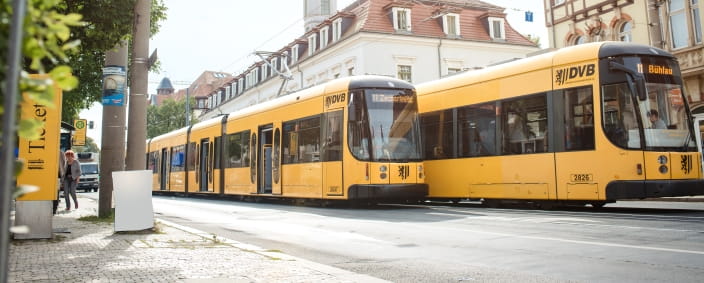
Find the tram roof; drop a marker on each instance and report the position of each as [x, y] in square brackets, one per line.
[567, 55]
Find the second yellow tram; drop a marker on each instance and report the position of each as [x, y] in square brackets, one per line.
[589, 124]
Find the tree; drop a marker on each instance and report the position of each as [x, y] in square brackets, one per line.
[169, 116]
[108, 22]
[90, 146]
[46, 45]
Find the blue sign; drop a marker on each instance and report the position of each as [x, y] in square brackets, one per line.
[114, 85]
[529, 16]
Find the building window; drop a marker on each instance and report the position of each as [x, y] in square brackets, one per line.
[274, 66]
[496, 28]
[350, 71]
[579, 39]
[325, 7]
[336, 30]
[294, 54]
[679, 26]
[624, 33]
[228, 92]
[558, 2]
[402, 19]
[312, 44]
[240, 85]
[451, 24]
[696, 20]
[323, 37]
[404, 73]
[265, 71]
[453, 70]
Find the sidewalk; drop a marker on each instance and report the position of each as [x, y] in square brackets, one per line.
[92, 252]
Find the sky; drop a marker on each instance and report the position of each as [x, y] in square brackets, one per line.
[221, 35]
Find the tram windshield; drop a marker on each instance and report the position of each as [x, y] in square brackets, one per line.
[383, 125]
[662, 115]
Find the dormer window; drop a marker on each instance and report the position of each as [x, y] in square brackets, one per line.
[274, 66]
[312, 44]
[401, 18]
[451, 24]
[496, 28]
[336, 29]
[294, 54]
[265, 71]
[323, 37]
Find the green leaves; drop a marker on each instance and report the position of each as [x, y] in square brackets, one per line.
[64, 78]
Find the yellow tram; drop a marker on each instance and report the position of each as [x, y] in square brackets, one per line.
[355, 138]
[589, 124]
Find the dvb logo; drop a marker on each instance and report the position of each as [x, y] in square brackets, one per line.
[564, 75]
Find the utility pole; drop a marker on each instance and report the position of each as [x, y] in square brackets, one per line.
[112, 149]
[188, 108]
[137, 123]
[7, 156]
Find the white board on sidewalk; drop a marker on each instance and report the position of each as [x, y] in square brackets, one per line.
[133, 200]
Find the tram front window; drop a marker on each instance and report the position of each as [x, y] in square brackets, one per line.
[660, 115]
[383, 125]
[665, 119]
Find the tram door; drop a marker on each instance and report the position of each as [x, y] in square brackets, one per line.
[699, 134]
[163, 169]
[205, 166]
[265, 159]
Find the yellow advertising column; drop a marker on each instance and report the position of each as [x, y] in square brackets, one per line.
[41, 167]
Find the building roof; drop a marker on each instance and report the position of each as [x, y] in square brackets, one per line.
[165, 84]
[208, 82]
[374, 17]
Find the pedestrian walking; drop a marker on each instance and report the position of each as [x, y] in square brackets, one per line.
[70, 179]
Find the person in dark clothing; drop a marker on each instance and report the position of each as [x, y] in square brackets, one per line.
[70, 178]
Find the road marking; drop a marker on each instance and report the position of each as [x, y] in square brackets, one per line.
[593, 243]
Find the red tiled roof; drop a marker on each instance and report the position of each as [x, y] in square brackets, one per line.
[208, 82]
[375, 17]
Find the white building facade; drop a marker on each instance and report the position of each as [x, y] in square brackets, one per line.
[417, 41]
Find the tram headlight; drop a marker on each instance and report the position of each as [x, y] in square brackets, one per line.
[383, 168]
[421, 174]
[662, 159]
[663, 169]
[382, 175]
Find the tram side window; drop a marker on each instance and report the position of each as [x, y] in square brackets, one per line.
[579, 119]
[332, 132]
[153, 161]
[619, 116]
[237, 149]
[301, 141]
[524, 124]
[178, 155]
[191, 157]
[216, 149]
[437, 133]
[477, 130]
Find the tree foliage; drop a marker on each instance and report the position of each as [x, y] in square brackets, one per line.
[169, 116]
[46, 45]
[108, 23]
[45, 48]
[90, 146]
